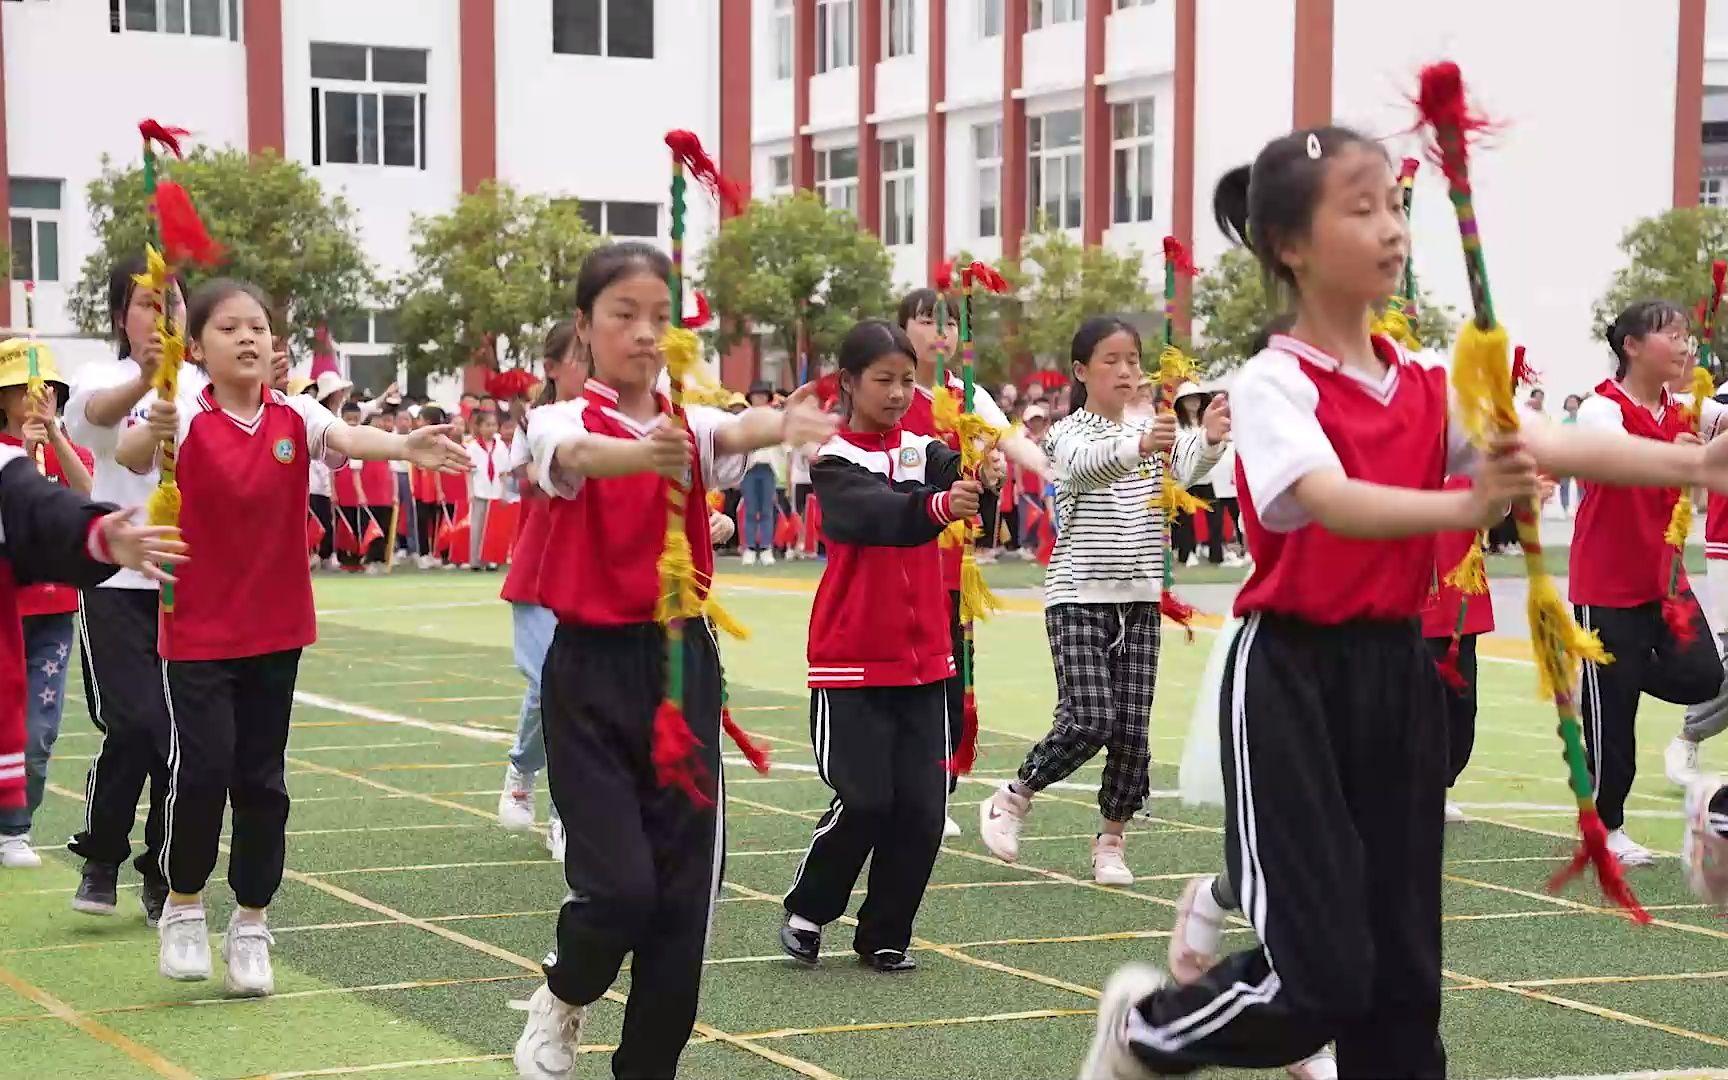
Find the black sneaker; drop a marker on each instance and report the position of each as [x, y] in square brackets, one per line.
[153, 896]
[888, 961]
[804, 946]
[97, 892]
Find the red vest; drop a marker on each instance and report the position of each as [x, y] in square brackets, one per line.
[49, 599]
[522, 583]
[247, 590]
[345, 485]
[1440, 616]
[1619, 558]
[377, 483]
[1716, 527]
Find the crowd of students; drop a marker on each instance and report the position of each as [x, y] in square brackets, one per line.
[1337, 735]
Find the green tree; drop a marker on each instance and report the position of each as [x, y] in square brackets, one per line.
[1059, 283]
[1668, 258]
[1231, 307]
[280, 229]
[790, 260]
[488, 279]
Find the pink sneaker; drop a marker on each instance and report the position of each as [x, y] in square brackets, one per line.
[999, 820]
[1705, 845]
[1194, 943]
[1108, 867]
[1322, 1066]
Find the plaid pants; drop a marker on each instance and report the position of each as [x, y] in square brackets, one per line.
[1106, 658]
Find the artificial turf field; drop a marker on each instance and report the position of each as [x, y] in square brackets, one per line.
[409, 922]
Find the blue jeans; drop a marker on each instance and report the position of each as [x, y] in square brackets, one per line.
[759, 508]
[534, 626]
[47, 655]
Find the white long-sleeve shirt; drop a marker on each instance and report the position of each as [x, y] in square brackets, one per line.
[490, 469]
[1111, 547]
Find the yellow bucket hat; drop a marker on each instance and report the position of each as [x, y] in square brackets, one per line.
[15, 366]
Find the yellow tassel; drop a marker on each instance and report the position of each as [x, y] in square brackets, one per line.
[678, 595]
[1482, 381]
[1395, 324]
[163, 506]
[682, 351]
[976, 599]
[945, 409]
[1702, 389]
[1174, 499]
[952, 536]
[723, 620]
[1470, 576]
[1679, 523]
[1174, 366]
[1559, 643]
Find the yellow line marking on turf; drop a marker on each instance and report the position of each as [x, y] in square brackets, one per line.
[143, 1055]
[382, 828]
[1561, 901]
[458, 700]
[327, 991]
[907, 1025]
[392, 1066]
[429, 765]
[545, 862]
[401, 793]
[1584, 1006]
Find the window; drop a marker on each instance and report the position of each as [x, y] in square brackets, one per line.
[987, 163]
[620, 218]
[1713, 191]
[835, 30]
[990, 18]
[368, 106]
[1131, 145]
[899, 192]
[783, 37]
[1058, 176]
[617, 28]
[1120, 4]
[199, 18]
[901, 28]
[35, 232]
[780, 174]
[837, 177]
[364, 328]
[1050, 12]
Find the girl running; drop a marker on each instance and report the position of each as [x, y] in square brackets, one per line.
[643, 881]
[33, 425]
[1102, 590]
[1620, 565]
[877, 671]
[231, 645]
[1333, 715]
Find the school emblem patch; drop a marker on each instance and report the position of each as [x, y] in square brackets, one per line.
[911, 457]
[284, 450]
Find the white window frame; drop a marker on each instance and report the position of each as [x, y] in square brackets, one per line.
[604, 43]
[836, 35]
[776, 186]
[1069, 174]
[840, 193]
[782, 22]
[1122, 4]
[991, 19]
[1042, 13]
[987, 178]
[227, 15]
[900, 28]
[42, 220]
[378, 90]
[899, 191]
[1133, 160]
[1713, 191]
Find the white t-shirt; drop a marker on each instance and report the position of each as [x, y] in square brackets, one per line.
[318, 479]
[551, 426]
[488, 482]
[112, 482]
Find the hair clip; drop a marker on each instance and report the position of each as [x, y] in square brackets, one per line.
[1314, 150]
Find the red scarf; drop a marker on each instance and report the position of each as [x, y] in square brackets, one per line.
[491, 464]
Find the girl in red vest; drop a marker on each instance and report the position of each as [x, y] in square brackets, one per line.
[643, 868]
[241, 616]
[1333, 716]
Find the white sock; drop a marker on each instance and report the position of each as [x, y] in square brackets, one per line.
[1206, 905]
[251, 915]
[170, 906]
[799, 922]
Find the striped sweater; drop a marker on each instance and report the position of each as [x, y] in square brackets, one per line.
[1111, 548]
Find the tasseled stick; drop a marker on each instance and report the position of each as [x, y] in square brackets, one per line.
[1176, 611]
[755, 755]
[1447, 666]
[184, 238]
[1677, 616]
[965, 755]
[676, 763]
[1593, 852]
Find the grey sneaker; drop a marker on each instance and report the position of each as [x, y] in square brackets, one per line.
[98, 890]
[1110, 1057]
[550, 1040]
[153, 896]
[184, 954]
[246, 955]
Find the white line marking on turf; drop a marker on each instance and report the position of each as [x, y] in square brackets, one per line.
[1666, 1074]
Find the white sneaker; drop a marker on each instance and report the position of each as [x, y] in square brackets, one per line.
[749, 558]
[246, 955]
[1705, 847]
[1107, 865]
[999, 820]
[184, 954]
[1110, 1058]
[374, 569]
[333, 563]
[425, 562]
[1680, 761]
[950, 828]
[1196, 939]
[17, 854]
[549, 1042]
[1193, 560]
[1629, 851]
[516, 801]
[1322, 1066]
[555, 839]
[767, 558]
[1454, 814]
[1232, 559]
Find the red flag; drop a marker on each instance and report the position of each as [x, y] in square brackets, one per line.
[314, 533]
[785, 530]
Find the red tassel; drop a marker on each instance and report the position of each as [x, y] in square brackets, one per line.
[687, 148]
[512, 384]
[703, 313]
[945, 275]
[755, 755]
[1678, 617]
[1175, 252]
[1408, 169]
[985, 275]
[1448, 668]
[1177, 612]
[1593, 851]
[674, 754]
[1441, 102]
[1522, 373]
[167, 137]
[966, 754]
[1718, 274]
[184, 238]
